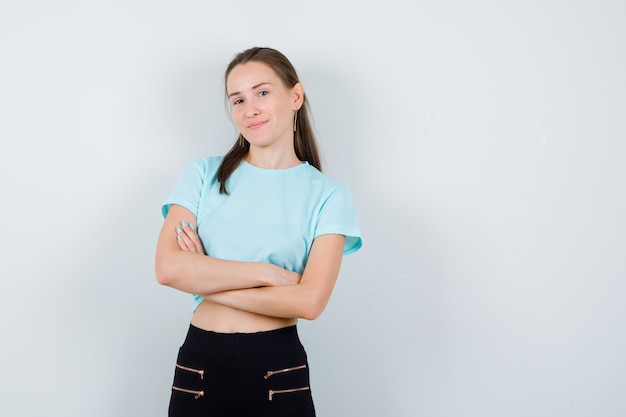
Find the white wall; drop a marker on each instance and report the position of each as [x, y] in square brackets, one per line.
[483, 143]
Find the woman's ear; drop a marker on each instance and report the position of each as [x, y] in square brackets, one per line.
[298, 93]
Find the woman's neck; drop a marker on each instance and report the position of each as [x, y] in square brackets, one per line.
[272, 159]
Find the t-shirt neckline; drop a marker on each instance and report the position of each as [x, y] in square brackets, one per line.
[254, 167]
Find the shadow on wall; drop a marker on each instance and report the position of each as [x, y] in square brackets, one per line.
[123, 329]
[376, 331]
[196, 107]
[115, 313]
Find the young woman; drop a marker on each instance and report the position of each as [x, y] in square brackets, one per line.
[257, 236]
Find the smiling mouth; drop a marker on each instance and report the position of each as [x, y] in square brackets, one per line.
[256, 125]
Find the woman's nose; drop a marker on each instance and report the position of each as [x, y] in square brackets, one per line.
[251, 110]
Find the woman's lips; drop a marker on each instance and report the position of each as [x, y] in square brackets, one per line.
[255, 125]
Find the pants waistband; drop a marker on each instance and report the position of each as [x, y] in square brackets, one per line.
[242, 345]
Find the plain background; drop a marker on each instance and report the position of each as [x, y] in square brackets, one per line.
[483, 143]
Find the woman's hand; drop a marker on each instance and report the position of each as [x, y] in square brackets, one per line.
[284, 277]
[307, 299]
[188, 239]
[181, 261]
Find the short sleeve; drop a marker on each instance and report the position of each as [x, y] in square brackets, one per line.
[338, 216]
[188, 188]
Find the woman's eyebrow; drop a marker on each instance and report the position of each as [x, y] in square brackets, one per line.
[253, 87]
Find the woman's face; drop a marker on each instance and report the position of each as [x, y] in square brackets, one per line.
[262, 106]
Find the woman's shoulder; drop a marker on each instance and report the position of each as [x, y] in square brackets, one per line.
[208, 162]
[326, 182]
[205, 167]
[323, 176]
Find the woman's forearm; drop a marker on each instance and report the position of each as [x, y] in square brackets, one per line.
[200, 274]
[289, 301]
[305, 299]
[181, 263]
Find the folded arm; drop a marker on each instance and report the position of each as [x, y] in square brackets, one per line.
[181, 263]
[306, 299]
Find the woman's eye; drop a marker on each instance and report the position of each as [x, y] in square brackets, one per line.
[263, 93]
[238, 101]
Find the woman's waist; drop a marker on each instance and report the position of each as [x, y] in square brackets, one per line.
[243, 345]
[223, 319]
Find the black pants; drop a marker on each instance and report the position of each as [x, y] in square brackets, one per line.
[241, 374]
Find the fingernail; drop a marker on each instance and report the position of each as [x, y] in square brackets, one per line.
[192, 226]
[179, 230]
[185, 224]
[179, 238]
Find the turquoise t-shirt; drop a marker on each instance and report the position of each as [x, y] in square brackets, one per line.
[268, 216]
